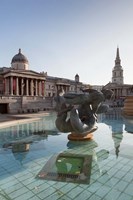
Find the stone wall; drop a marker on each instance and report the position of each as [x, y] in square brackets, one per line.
[28, 105]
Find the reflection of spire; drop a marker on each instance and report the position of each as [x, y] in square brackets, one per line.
[117, 138]
[117, 151]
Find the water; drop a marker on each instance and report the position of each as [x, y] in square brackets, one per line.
[38, 162]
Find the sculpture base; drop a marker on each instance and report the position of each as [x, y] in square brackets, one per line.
[76, 137]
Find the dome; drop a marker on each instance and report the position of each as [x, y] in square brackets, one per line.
[19, 58]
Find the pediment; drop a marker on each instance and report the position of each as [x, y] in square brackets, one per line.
[109, 85]
[24, 73]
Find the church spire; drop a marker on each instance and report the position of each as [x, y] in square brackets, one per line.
[117, 72]
[117, 60]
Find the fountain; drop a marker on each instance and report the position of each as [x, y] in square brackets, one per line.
[77, 112]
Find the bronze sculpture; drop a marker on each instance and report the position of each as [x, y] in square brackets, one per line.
[77, 112]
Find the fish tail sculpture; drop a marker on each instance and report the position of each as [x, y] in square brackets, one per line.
[82, 126]
[81, 120]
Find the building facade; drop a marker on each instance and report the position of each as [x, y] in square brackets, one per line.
[53, 84]
[117, 72]
[117, 85]
[23, 90]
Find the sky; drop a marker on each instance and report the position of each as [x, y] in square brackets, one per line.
[69, 37]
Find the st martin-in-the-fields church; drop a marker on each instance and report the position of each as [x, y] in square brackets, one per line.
[117, 85]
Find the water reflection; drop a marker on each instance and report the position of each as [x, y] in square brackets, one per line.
[114, 120]
[29, 132]
[18, 139]
[17, 146]
[117, 121]
[20, 151]
[119, 126]
[21, 147]
[46, 126]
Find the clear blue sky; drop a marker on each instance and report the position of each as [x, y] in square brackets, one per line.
[66, 37]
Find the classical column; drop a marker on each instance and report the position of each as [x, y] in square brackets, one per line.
[22, 86]
[11, 85]
[40, 88]
[17, 91]
[36, 92]
[27, 87]
[5, 86]
[31, 87]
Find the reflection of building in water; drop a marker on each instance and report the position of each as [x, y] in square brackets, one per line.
[115, 122]
[20, 151]
[20, 147]
[117, 135]
[112, 113]
[42, 127]
[117, 138]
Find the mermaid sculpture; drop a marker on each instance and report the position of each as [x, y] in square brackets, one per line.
[77, 112]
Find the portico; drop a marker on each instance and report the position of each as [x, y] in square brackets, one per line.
[18, 85]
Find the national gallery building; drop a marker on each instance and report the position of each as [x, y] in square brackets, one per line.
[23, 90]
